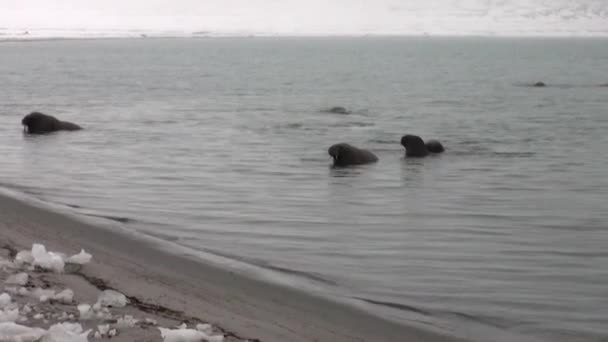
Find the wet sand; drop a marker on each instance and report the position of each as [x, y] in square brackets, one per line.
[172, 287]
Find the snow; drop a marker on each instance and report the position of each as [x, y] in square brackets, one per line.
[81, 258]
[74, 18]
[17, 279]
[112, 298]
[11, 332]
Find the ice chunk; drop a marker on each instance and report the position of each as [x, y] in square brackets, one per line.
[38, 316]
[103, 329]
[151, 321]
[112, 333]
[66, 332]
[23, 291]
[26, 309]
[112, 298]
[11, 290]
[24, 257]
[187, 335]
[42, 294]
[126, 322]
[4, 264]
[85, 311]
[9, 315]
[5, 300]
[11, 332]
[181, 335]
[206, 328]
[104, 314]
[66, 296]
[47, 260]
[80, 258]
[17, 279]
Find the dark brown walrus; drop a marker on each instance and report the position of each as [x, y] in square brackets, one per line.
[38, 123]
[416, 147]
[345, 155]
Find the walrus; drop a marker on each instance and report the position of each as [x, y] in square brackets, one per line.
[38, 123]
[345, 155]
[416, 147]
[539, 84]
[337, 110]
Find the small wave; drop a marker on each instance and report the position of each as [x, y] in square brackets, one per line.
[397, 306]
[113, 218]
[159, 122]
[514, 154]
[385, 141]
[302, 274]
[560, 85]
[265, 265]
[352, 124]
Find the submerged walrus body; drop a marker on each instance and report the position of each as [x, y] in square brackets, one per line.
[416, 147]
[345, 155]
[38, 123]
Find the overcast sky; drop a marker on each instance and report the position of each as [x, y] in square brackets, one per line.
[308, 16]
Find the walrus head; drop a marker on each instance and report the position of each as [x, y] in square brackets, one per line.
[414, 146]
[345, 155]
[336, 151]
[36, 122]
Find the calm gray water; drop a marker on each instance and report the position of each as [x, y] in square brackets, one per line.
[220, 145]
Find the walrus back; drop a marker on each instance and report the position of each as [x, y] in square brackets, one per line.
[68, 126]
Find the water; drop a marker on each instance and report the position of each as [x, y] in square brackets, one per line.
[220, 145]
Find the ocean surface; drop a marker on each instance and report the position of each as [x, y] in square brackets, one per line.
[220, 145]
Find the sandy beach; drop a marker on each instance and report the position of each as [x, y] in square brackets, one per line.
[170, 289]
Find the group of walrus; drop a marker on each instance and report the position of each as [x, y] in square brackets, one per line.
[346, 155]
[343, 154]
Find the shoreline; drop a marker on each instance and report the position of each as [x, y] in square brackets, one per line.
[239, 305]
